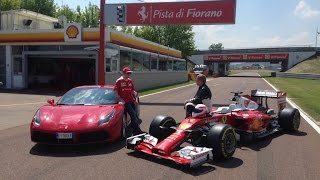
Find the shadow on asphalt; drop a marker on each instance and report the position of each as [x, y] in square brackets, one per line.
[198, 171]
[76, 150]
[228, 164]
[259, 144]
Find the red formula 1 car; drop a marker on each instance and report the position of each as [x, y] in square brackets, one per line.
[208, 139]
[252, 118]
[84, 114]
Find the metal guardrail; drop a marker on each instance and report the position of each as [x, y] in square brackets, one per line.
[299, 75]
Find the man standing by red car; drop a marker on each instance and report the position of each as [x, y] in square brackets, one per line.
[126, 91]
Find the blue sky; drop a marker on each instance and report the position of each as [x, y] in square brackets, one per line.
[259, 23]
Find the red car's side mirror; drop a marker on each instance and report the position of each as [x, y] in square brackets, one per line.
[50, 101]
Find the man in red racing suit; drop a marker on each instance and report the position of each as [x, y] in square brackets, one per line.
[126, 91]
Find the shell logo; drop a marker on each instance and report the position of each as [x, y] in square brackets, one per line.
[72, 32]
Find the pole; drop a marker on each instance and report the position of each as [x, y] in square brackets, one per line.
[316, 38]
[101, 68]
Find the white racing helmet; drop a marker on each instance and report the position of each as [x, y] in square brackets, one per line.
[200, 110]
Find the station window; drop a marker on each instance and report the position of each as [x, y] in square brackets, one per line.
[163, 63]
[146, 61]
[169, 64]
[108, 64]
[111, 64]
[179, 65]
[154, 63]
[125, 58]
[112, 60]
[137, 62]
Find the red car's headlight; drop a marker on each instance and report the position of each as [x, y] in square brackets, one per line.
[106, 118]
[36, 118]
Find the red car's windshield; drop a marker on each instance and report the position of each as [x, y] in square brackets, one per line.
[89, 96]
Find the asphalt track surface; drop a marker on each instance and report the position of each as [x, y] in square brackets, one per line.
[280, 156]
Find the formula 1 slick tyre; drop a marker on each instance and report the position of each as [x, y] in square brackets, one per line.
[289, 119]
[222, 139]
[160, 127]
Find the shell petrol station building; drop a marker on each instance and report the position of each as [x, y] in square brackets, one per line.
[38, 51]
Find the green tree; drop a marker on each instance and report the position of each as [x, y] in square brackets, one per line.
[114, 27]
[136, 31]
[91, 16]
[216, 47]
[69, 13]
[127, 29]
[151, 33]
[180, 37]
[78, 17]
[46, 7]
[6, 5]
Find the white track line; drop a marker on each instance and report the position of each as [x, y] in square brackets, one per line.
[304, 115]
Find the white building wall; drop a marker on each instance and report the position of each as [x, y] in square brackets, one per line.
[6, 23]
[36, 23]
[14, 20]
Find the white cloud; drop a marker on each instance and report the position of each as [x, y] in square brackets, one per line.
[304, 10]
[206, 35]
[297, 39]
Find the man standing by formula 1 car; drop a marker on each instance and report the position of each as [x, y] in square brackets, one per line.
[126, 91]
[203, 96]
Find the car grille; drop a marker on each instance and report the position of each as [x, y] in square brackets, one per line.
[50, 138]
[93, 136]
[43, 137]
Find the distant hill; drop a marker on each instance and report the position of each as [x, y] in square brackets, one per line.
[307, 66]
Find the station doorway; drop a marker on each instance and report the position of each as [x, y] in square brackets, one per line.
[59, 72]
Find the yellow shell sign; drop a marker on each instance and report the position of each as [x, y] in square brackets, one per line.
[72, 31]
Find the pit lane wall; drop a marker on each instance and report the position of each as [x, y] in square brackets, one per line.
[154, 79]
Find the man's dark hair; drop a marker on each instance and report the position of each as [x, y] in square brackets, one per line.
[202, 78]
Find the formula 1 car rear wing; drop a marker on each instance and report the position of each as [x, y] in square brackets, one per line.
[268, 93]
[279, 95]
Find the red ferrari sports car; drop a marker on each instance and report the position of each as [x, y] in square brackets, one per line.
[84, 114]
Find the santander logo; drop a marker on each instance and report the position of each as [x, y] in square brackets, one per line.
[143, 14]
